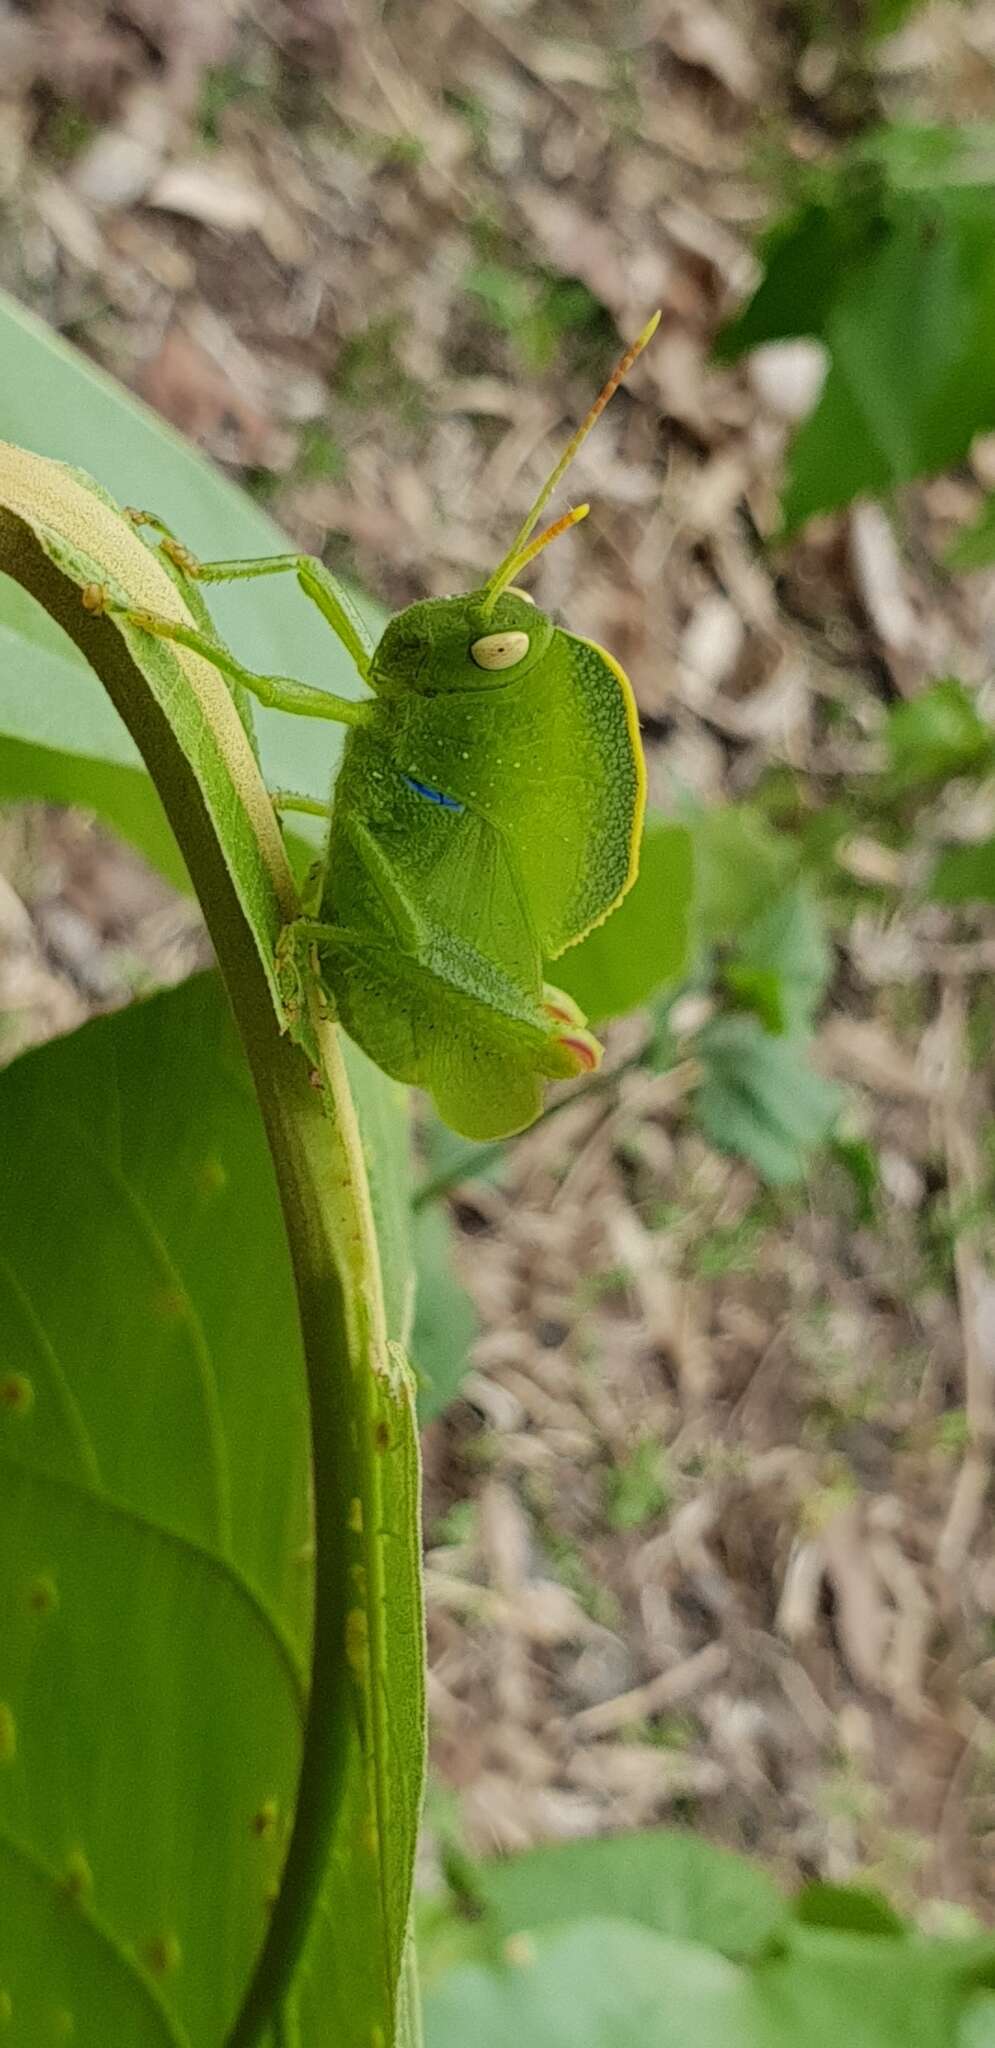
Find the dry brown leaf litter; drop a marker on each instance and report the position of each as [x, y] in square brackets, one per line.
[271, 220]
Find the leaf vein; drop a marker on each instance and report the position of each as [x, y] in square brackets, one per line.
[117, 1179]
[214, 1562]
[104, 1935]
[72, 1414]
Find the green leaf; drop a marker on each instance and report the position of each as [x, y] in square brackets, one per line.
[636, 1486]
[757, 989]
[937, 736]
[902, 401]
[860, 1163]
[605, 1983]
[60, 735]
[155, 1552]
[761, 1097]
[644, 944]
[740, 864]
[783, 962]
[852, 1908]
[885, 16]
[445, 1317]
[977, 2025]
[801, 255]
[965, 874]
[47, 693]
[905, 221]
[153, 1528]
[617, 1942]
[975, 547]
[829, 1986]
[670, 1882]
[598, 1983]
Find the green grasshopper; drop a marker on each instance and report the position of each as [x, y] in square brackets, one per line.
[487, 814]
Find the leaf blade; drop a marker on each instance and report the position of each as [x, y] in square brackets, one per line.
[645, 942]
[56, 402]
[109, 1564]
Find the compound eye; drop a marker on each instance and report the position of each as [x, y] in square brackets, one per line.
[499, 650]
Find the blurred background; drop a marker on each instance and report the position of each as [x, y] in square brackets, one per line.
[707, 1523]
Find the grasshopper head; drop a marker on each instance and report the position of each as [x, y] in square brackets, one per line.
[458, 643]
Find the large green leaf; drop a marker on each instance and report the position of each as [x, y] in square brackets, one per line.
[605, 1983]
[60, 735]
[62, 741]
[154, 1555]
[61, 533]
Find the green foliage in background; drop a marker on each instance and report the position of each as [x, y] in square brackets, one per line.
[888, 260]
[720, 909]
[658, 1940]
[885, 16]
[936, 737]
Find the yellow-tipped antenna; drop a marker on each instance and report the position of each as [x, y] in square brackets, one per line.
[535, 547]
[517, 554]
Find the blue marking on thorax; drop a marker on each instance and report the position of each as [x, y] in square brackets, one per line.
[435, 796]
